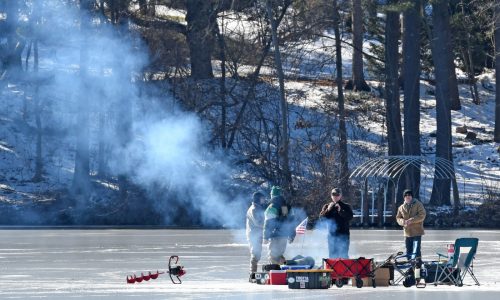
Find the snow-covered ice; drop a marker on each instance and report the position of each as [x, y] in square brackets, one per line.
[93, 264]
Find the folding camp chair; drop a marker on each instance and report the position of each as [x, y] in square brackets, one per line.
[459, 265]
[405, 265]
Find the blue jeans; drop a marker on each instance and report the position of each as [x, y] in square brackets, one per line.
[338, 246]
[409, 242]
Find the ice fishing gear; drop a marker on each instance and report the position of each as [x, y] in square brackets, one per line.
[175, 271]
[134, 278]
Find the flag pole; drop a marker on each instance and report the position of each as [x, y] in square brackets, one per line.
[303, 239]
[301, 229]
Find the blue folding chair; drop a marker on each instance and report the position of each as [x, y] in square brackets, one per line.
[459, 265]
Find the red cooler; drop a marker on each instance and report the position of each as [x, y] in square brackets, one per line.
[277, 277]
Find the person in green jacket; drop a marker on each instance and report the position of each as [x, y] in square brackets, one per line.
[278, 226]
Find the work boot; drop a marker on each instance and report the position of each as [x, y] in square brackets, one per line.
[421, 283]
[252, 277]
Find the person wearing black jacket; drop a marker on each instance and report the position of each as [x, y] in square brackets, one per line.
[338, 215]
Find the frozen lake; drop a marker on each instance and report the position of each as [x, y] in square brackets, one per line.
[93, 264]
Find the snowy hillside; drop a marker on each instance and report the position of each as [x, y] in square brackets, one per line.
[170, 151]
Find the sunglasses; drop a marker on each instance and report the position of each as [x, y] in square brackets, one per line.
[335, 194]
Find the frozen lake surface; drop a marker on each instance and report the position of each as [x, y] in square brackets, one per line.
[93, 264]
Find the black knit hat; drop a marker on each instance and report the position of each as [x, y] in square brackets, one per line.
[336, 191]
[407, 192]
[257, 196]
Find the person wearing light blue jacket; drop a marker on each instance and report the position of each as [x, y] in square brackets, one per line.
[278, 226]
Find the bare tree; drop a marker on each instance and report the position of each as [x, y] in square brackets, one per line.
[453, 82]
[253, 81]
[201, 18]
[441, 50]
[393, 118]
[497, 73]
[343, 158]
[465, 46]
[284, 144]
[411, 66]
[124, 109]
[10, 52]
[38, 110]
[81, 177]
[357, 82]
[392, 105]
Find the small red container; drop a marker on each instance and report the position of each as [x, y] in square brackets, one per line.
[277, 277]
[451, 250]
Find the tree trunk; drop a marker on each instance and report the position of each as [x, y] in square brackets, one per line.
[357, 82]
[39, 160]
[12, 61]
[143, 7]
[393, 118]
[366, 206]
[380, 206]
[441, 52]
[101, 150]
[152, 8]
[38, 120]
[124, 122]
[371, 7]
[411, 66]
[469, 67]
[393, 108]
[497, 73]
[453, 82]
[284, 144]
[223, 121]
[123, 131]
[456, 197]
[114, 11]
[81, 177]
[102, 158]
[468, 61]
[201, 19]
[344, 166]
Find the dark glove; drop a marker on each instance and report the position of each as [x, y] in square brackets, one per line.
[290, 240]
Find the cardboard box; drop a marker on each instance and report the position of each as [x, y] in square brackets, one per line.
[277, 277]
[309, 279]
[382, 278]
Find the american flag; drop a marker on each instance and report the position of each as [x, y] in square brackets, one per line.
[301, 228]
